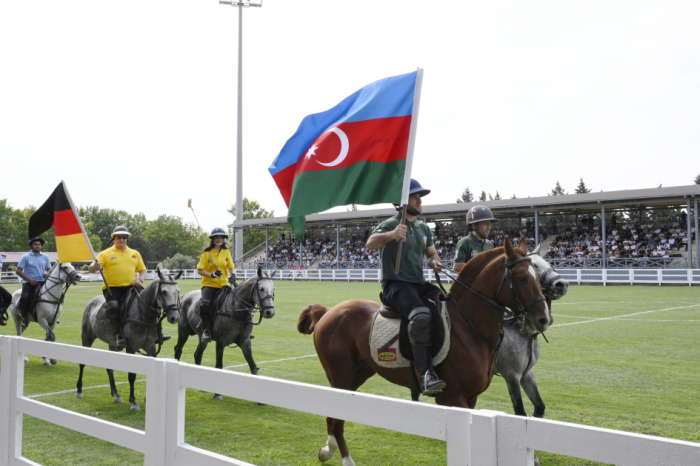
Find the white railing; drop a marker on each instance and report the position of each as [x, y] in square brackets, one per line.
[473, 437]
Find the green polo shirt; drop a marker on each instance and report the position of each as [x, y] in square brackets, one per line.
[418, 239]
[470, 246]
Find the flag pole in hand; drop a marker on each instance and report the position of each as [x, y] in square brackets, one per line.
[398, 253]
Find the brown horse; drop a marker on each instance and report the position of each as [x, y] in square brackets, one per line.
[490, 282]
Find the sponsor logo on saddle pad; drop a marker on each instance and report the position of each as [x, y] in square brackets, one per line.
[388, 354]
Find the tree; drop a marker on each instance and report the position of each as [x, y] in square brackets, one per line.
[466, 196]
[497, 197]
[180, 262]
[581, 188]
[557, 191]
[169, 235]
[252, 209]
[697, 179]
[483, 196]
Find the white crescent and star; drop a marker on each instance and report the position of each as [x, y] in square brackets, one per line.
[344, 147]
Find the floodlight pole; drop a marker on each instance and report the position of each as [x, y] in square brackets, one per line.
[238, 232]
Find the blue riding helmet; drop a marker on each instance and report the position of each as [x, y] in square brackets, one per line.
[218, 231]
[417, 188]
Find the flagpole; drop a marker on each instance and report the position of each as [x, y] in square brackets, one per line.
[82, 228]
[409, 157]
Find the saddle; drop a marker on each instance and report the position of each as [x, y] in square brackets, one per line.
[390, 327]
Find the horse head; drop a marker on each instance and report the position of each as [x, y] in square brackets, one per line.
[525, 296]
[65, 273]
[169, 295]
[552, 283]
[264, 294]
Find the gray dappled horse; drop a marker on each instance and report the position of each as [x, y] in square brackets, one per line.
[521, 348]
[141, 327]
[49, 302]
[233, 322]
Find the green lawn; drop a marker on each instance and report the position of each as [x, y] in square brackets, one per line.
[618, 357]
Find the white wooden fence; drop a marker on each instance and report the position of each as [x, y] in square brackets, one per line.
[473, 437]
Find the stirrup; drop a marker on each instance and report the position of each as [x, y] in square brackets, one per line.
[25, 323]
[206, 336]
[431, 384]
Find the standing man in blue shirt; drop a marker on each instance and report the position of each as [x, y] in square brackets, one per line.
[31, 269]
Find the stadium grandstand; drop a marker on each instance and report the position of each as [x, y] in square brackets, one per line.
[643, 228]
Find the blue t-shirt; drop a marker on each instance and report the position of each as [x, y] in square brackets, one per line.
[34, 265]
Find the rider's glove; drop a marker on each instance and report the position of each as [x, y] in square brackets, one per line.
[216, 274]
[232, 279]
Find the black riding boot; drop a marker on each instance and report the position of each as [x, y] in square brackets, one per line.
[113, 319]
[21, 305]
[204, 309]
[430, 383]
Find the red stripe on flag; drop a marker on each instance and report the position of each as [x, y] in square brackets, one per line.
[378, 140]
[285, 181]
[65, 223]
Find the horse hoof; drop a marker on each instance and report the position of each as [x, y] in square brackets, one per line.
[135, 408]
[53, 362]
[79, 396]
[46, 362]
[262, 404]
[537, 461]
[26, 359]
[255, 371]
[118, 400]
[347, 461]
[218, 397]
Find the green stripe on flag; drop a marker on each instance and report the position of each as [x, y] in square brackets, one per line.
[364, 183]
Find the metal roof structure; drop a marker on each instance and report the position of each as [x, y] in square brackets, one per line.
[652, 197]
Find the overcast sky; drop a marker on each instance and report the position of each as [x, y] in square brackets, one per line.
[133, 103]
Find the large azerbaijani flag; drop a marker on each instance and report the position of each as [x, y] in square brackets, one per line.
[358, 152]
[59, 211]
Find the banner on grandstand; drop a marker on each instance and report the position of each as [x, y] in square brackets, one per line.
[358, 152]
[59, 211]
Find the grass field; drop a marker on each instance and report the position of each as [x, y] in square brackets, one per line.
[624, 357]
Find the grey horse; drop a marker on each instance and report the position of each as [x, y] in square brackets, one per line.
[49, 303]
[520, 349]
[141, 328]
[233, 323]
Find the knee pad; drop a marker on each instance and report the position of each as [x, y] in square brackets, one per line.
[419, 326]
[112, 308]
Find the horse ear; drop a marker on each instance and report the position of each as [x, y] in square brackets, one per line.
[160, 274]
[510, 252]
[273, 272]
[537, 249]
[522, 243]
[260, 272]
[178, 275]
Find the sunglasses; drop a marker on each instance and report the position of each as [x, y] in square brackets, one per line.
[121, 237]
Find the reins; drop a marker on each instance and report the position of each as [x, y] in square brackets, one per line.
[253, 307]
[158, 310]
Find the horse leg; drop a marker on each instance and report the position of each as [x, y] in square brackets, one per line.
[530, 386]
[88, 337]
[513, 381]
[248, 355]
[336, 427]
[415, 394]
[49, 337]
[183, 334]
[112, 385]
[219, 364]
[132, 378]
[17, 317]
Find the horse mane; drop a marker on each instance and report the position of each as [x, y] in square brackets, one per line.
[476, 265]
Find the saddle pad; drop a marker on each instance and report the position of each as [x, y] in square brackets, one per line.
[384, 330]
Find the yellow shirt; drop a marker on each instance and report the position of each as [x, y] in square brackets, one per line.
[223, 261]
[120, 267]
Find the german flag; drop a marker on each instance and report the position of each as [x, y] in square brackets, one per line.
[58, 211]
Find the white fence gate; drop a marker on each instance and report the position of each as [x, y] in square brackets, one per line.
[473, 437]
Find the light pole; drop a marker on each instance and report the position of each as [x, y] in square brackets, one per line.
[238, 252]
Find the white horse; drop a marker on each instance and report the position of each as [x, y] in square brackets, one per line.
[49, 302]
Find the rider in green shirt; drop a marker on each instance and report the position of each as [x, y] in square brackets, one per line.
[403, 291]
[477, 241]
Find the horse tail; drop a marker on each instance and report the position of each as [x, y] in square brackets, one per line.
[309, 317]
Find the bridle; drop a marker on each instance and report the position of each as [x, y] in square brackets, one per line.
[161, 310]
[520, 314]
[258, 306]
[56, 299]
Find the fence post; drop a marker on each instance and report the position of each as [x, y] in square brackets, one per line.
[457, 424]
[13, 368]
[6, 400]
[482, 435]
[512, 433]
[156, 416]
[659, 275]
[175, 413]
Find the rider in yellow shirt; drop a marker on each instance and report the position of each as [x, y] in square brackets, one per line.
[217, 270]
[120, 264]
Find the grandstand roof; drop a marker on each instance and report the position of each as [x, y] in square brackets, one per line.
[653, 197]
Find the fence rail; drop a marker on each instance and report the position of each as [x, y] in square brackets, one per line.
[473, 437]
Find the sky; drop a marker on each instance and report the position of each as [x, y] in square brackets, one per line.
[133, 103]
